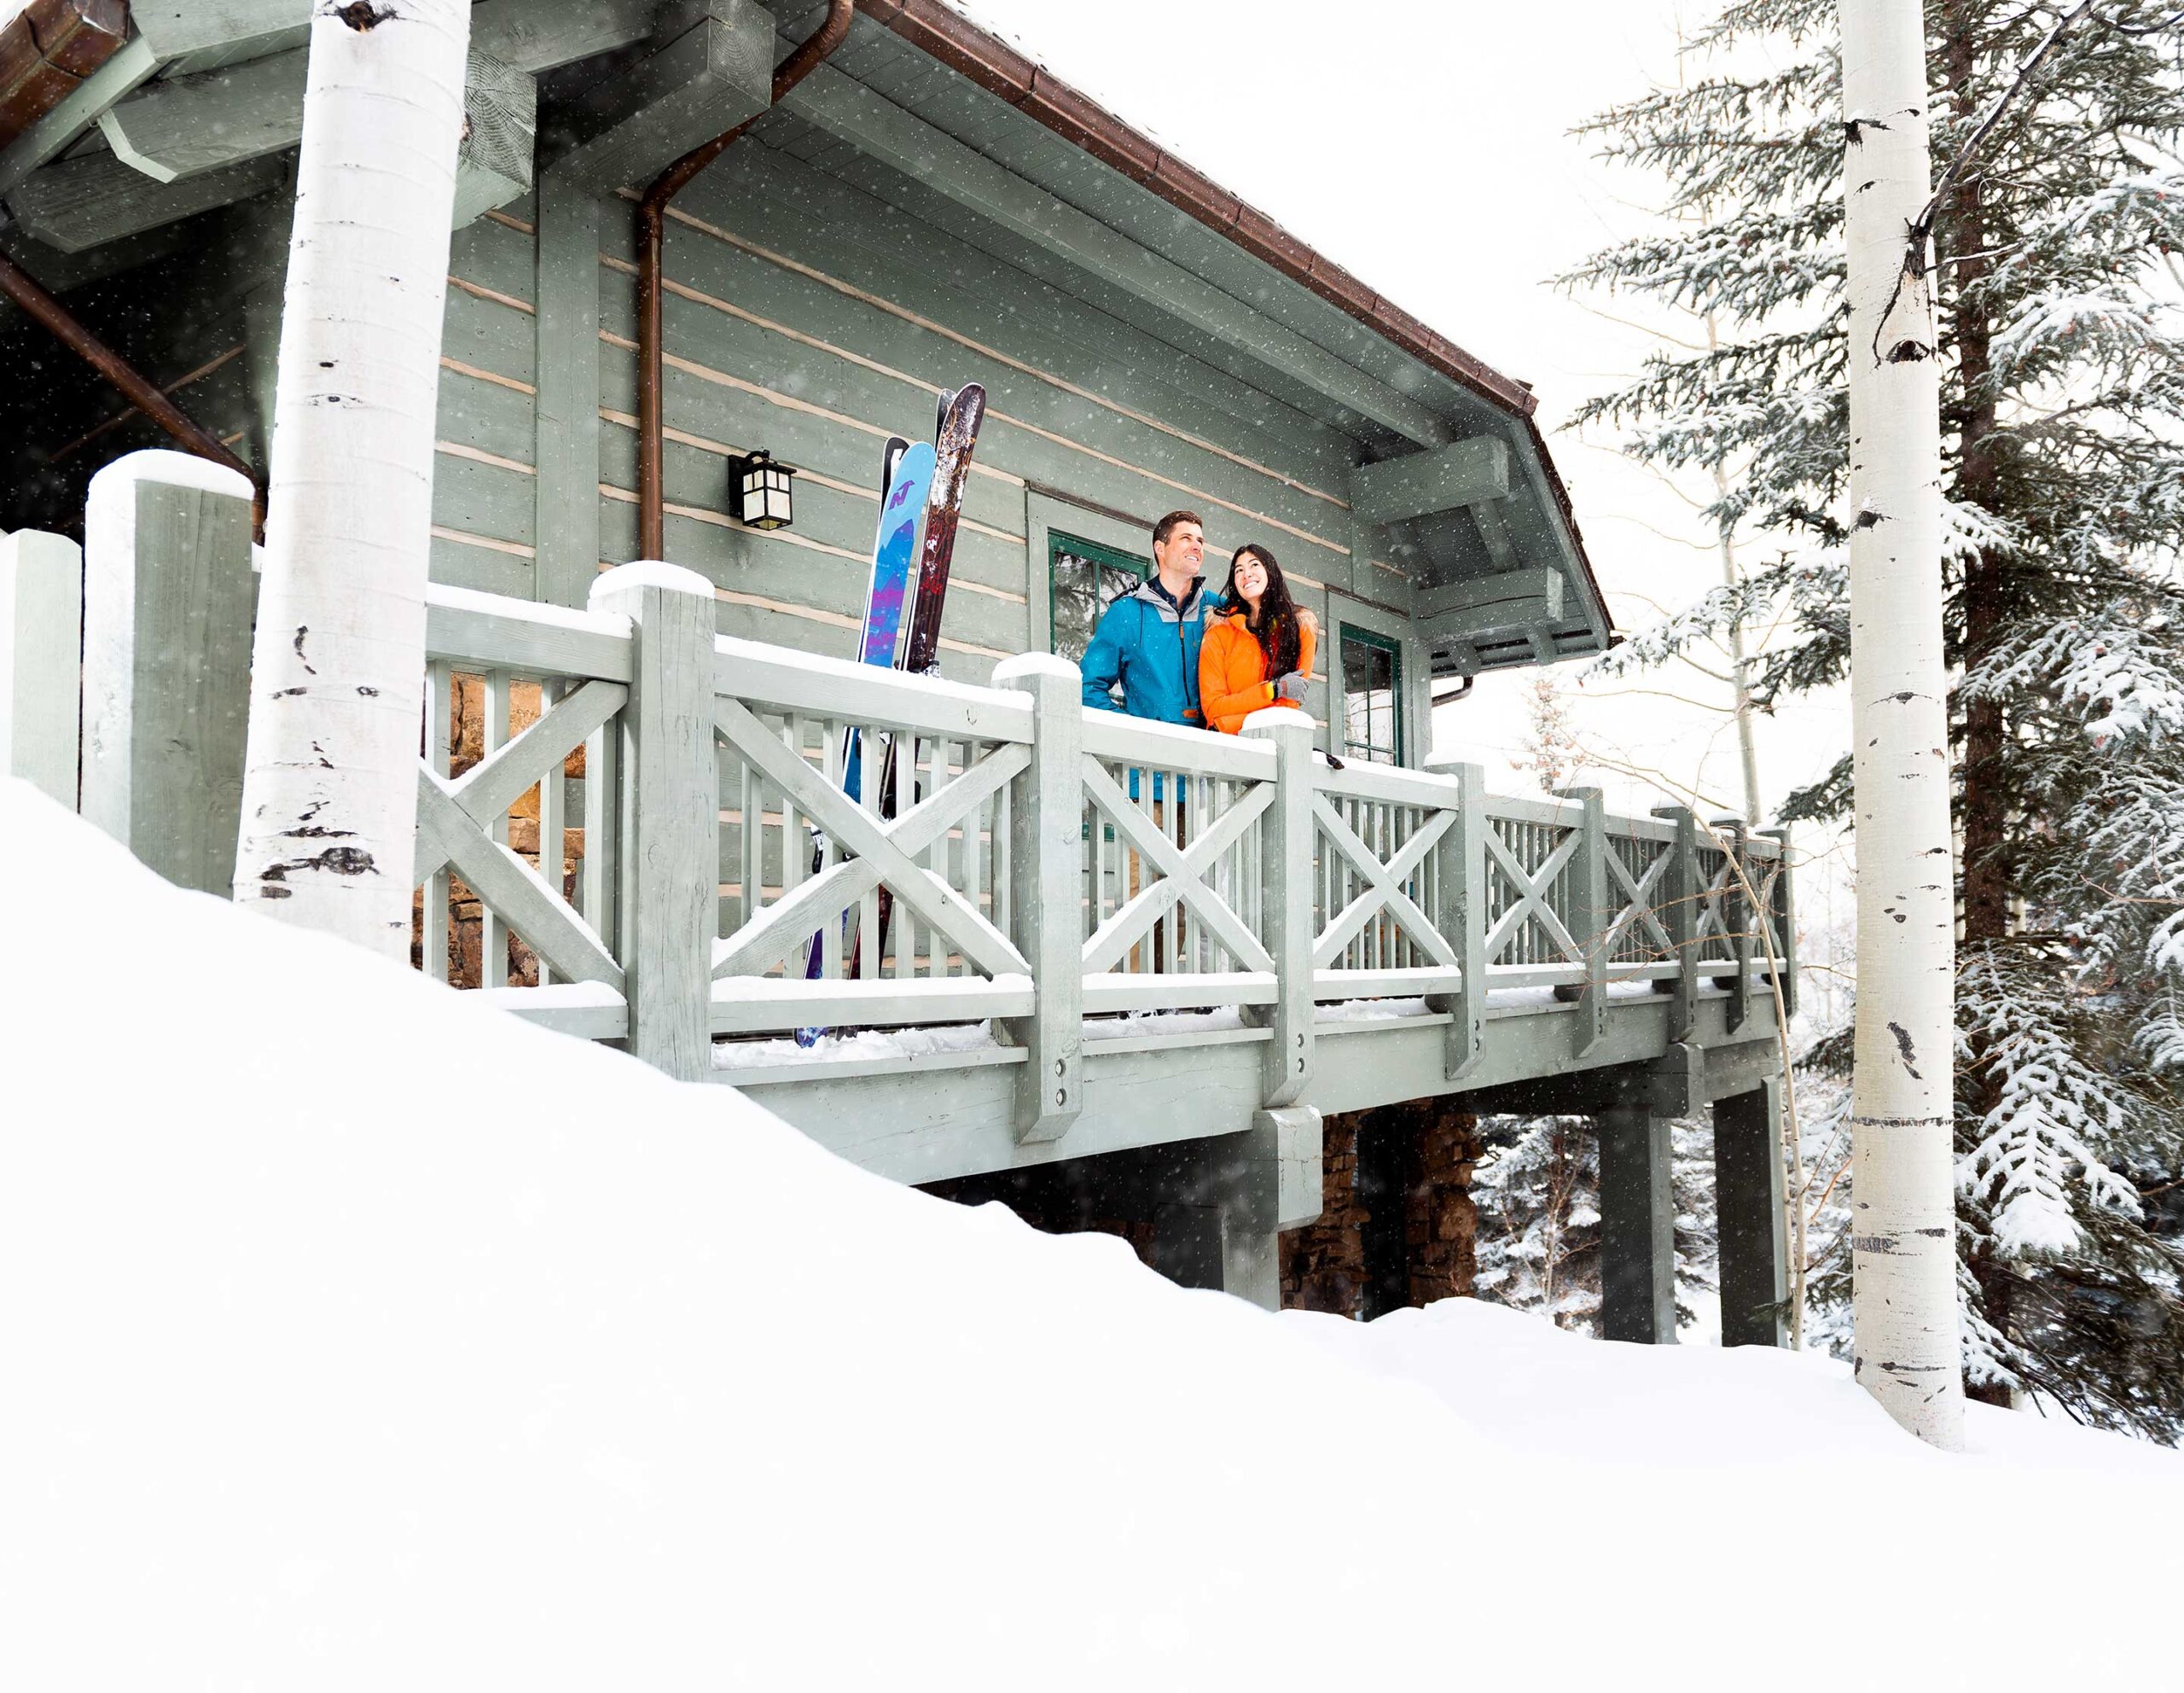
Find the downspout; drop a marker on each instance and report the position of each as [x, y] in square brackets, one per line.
[652, 234]
[133, 385]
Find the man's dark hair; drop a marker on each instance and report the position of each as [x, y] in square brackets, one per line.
[1166, 525]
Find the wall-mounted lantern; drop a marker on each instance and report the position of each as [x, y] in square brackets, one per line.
[758, 492]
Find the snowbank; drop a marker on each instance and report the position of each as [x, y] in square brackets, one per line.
[358, 1336]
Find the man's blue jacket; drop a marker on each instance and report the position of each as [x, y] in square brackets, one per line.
[1149, 643]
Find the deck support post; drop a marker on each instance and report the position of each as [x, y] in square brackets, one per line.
[169, 600]
[1681, 893]
[671, 814]
[1737, 918]
[1637, 1227]
[1748, 1199]
[1462, 916]
[1591, 917]
[1287, 857]
[1046, 856]
[41, 634]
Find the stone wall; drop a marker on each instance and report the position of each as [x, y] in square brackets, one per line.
[1397, 1226]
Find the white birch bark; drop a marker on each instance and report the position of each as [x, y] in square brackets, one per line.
[1903, 1236]
[337, 674]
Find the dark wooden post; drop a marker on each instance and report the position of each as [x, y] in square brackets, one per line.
[1748, 1200]
[1637, 1227]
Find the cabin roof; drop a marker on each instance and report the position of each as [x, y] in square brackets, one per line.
[993, 64]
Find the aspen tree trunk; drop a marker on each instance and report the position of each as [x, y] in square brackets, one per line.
[1739, 661]
[1903, 1236]
[337, 672]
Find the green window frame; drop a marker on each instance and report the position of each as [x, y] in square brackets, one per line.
[1082, 578]
[1371, 700]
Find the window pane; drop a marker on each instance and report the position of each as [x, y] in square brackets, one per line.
[1086, 579]
[1371, 677]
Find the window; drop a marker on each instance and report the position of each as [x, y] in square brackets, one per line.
[1084, 578]
[1372, 695]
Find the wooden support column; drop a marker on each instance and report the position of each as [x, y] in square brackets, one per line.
[1748, 1202]
[1637, 1228]
[1046, 856]
[1461, 917]
[1287, 843]
[169, 599]
[1591, 917]
[1681, 892]
[567, 329]
[41, 634]
[671, 827]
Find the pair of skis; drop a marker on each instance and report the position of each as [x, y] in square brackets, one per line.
[919, 485]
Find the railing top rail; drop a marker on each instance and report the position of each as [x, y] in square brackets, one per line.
[1641, 829]
[1389, 785]
[464, 627]
[1566, 813]
[1168, 746]
[783, 678]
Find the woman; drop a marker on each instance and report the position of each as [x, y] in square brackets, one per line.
[1259, 652]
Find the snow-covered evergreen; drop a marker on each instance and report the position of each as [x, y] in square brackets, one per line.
[2063, 389]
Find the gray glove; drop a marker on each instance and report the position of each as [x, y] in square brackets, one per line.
[1290, 688]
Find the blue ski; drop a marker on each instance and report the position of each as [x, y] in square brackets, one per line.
[907, 475]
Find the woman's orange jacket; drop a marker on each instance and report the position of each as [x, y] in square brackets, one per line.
[1232, 679]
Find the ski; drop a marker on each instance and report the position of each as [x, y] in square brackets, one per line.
[956, 438]
[906, 478]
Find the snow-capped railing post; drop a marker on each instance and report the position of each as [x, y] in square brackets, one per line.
[1782, 913]
[168, 601]
[1591, 914]
[1738, 916]
[1046, 860]
[41, 633]
[1462, 915]
[1287, 840]
[668, 902]
[1681, 894]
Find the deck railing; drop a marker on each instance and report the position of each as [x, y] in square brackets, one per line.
[1029, 862]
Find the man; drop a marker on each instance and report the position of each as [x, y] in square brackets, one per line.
[1147, 639]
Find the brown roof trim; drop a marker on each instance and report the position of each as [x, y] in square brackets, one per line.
[945, 34]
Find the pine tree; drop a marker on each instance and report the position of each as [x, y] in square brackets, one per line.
[2062, 376]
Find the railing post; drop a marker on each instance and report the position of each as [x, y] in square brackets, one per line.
[1737, 918]
[1786, 922]
[670, 843]
[1047, 861]
[1287, 842]
[1461, 917]
[169, 600]
[41, 633]
[1682, 889]
[1592, 916]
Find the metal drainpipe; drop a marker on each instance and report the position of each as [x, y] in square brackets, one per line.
[652, 234]
[133, 385]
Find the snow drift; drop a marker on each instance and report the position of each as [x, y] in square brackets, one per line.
[358, 1336]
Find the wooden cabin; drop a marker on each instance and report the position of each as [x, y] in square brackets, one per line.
[1350, 966]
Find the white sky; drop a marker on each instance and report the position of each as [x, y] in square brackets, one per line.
[1423, 144]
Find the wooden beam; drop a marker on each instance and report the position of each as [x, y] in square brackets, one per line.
[1477, 601]
[846, 109]
[1463, 473]
[715, 74]
[541, 35]
[82, 203]
[186, 127]
[45, 138]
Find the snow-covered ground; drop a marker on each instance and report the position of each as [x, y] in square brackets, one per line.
[356, 1336]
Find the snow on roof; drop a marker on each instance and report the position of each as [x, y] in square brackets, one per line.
[358, 1335]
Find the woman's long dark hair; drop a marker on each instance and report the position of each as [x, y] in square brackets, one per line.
[1276, 627]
